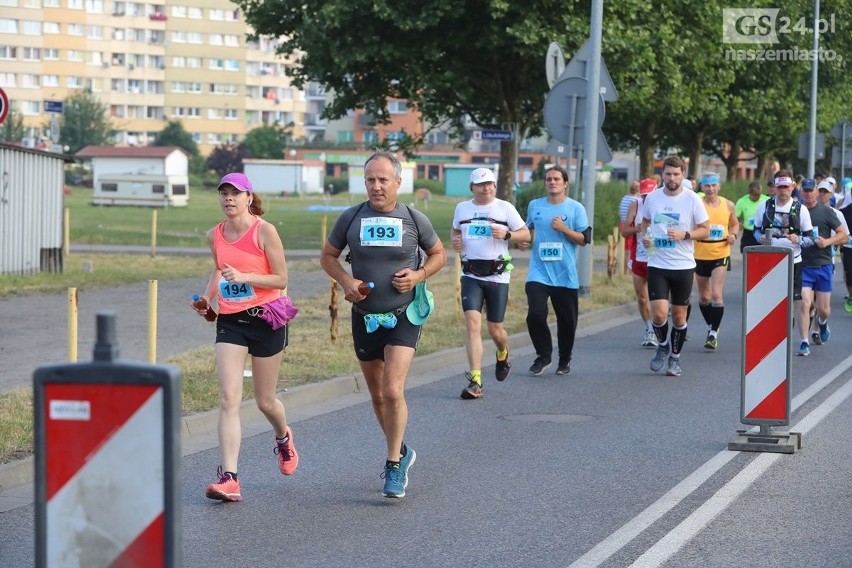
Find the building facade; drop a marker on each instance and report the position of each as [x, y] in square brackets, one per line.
[150, 62]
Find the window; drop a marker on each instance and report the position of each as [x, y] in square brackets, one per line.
[76, 4]
[30, 108]
[217, 15]
[179, 36]
[31, 28]
[50, 28]
[8, 52]
[32, 54]
[178, 11]
[52, 4]
[74, 55]
[94, 58]
[155, 112]
[158, 188]
[117, 111]
[31, 81]
[8, 26]
[9, 3]
[95, 6]
[195, 13]
[51, 54]
[109, 187]
[50, 80]
[7, 79]
[32, 4]
[216, 39]
[232, 40]
[398, 107]
[95, 32]
[76, 82]
[345, 136]
[119, 8]
[75, 29]
[179, 189]
[195, 37]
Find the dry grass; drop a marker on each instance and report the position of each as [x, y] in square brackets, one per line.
[311, 355]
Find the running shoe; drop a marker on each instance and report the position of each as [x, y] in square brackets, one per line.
[394, 481]
[405, 462]
[824, 332]
[815, 338]
[659, 359]
[847, 305]
[563, 368]
[228, 488]
[539, 365]
[674, 367]
[804, 349]
[712, 342]
[650, 339]
[473, 389]
[503, 369]
[288, 459]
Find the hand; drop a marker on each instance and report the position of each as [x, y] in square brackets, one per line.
[498, 232]
[457, 242]
[557, 223]
[232, 275]
[405, 280]
[793, 238]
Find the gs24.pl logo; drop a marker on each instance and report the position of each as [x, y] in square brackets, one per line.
[764, 25]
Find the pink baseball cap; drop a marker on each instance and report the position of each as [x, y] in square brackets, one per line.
[238, 180]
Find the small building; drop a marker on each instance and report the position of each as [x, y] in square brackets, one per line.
[457, 178]
[285, 176]
[31, 211]
[148, 176]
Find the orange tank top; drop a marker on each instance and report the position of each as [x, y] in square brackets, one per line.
[245, 255]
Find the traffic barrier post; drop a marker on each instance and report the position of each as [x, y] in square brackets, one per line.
[765, 393]
[107, 460]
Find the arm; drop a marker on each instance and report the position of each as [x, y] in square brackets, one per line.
[407, 278]
[330, 262]
[733, 223]
[628, 227]
[212, 288]
[456, 239]
[521, 235]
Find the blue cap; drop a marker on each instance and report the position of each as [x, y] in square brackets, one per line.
[709, 178]
[808, 184]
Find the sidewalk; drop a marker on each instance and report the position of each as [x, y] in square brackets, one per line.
[305, 401]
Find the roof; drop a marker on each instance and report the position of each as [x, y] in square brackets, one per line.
[36, 151]
[128, 152]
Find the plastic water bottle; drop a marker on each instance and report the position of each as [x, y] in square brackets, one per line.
[365, 287]
[650, 250]
[200, 303]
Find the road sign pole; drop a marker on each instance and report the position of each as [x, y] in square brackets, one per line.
[572, 120]
[843, 150]
[590, 143]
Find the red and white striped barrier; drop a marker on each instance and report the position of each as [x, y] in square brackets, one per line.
[767, 323]
[107, 444]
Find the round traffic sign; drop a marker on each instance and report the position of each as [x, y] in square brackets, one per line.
[557, 110]
[4, 105]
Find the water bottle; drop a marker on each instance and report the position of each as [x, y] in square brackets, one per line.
[200, 303]
[650, 249]
[365, 287]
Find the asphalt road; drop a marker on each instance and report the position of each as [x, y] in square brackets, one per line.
[612, 465]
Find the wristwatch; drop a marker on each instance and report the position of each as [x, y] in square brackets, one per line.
[686, 236]
[508, 236]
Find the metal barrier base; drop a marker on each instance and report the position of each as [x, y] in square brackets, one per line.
[779, 443]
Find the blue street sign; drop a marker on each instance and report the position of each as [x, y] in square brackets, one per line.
[53, 106]
[497, 135]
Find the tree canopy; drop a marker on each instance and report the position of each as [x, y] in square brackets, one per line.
[484, 59]
[267, 141]
[84, 122]
[174, 134]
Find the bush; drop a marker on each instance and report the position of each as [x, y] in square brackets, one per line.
[339, 184]
[433, 185]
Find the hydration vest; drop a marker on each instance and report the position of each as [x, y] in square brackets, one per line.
[795, 224]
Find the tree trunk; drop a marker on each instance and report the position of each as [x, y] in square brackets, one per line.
[506, 175]
[647, 146]
[694, 153]
[732, 160]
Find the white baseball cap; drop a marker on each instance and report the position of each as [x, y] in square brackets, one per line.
[686, 184]
[831, 180]
[482, 175]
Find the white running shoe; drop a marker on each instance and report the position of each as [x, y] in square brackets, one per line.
[650, 339]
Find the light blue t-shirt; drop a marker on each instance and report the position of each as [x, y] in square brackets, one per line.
[554, 258]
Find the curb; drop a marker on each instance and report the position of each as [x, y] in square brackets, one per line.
[22, 472]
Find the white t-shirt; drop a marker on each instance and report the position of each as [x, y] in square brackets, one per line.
[782, 214]
[684, 211]
[474, 221]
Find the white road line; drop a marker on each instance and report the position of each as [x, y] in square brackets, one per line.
[667, 546]
[630, 530]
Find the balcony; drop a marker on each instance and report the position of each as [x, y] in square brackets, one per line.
[158, 17]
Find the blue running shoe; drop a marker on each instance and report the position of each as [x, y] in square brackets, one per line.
[824, 332]
[804, 349]
[394, 481]
[405, 462]
[660, 357]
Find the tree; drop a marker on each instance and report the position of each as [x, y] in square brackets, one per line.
[450, 59]
[13, 129]
[174, 134]
[84, 122]
[227, 158]
[267, 141]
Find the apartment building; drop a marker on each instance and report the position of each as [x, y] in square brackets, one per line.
[150, 62]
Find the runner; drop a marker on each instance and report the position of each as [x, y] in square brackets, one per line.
[638, 261]
[671, 218]
[713, 257]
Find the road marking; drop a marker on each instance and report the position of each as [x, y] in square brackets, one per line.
[675, 539]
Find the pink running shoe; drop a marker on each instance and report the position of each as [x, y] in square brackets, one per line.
[288, 459]
[228, 488]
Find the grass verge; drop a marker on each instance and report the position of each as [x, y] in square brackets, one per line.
[312, 356]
